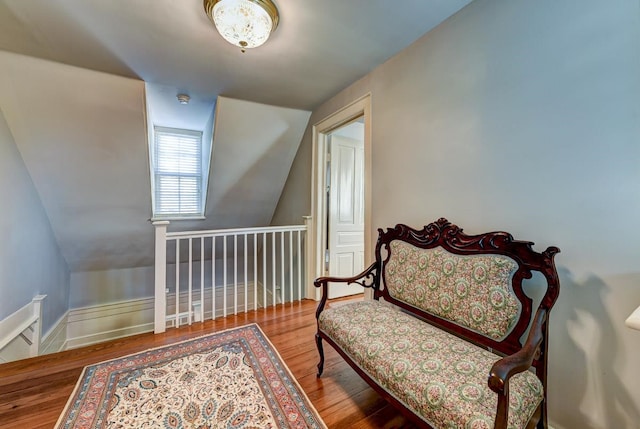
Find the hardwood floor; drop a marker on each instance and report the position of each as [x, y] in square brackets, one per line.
[33, 392]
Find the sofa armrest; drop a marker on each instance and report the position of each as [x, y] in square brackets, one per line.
[366, 278]
[369, 278]
[513, 364]
[522, 360]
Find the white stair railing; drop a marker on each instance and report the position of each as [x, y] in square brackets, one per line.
[21, 331]
[202, 275]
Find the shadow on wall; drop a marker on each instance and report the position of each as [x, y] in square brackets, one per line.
[585, 390]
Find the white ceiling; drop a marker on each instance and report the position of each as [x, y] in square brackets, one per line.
[319, 47]
[74, 101]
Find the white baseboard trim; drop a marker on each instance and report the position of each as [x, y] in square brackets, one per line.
[114, 334]
[99, 323]
[56, 337]
[95, 324]
[221, 311]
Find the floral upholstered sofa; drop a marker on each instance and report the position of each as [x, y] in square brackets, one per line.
[441, 338]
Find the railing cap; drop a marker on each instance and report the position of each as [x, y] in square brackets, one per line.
[234, 231]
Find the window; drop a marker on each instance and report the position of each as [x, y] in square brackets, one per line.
[177, 168]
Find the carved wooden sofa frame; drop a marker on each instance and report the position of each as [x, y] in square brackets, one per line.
[347, 329]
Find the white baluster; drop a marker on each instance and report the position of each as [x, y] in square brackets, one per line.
[235, 273]
[282, 287]
[224, 277]
[177, 322]
[291, 265]
[255, 271]
[213, 277]
[201, 279]
[190, 287]
[246, 292]
[299, 266]
[264, 269]
[273, 267]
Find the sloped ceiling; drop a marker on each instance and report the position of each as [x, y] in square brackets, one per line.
[83, 139]
[253, 147]
[72, 90]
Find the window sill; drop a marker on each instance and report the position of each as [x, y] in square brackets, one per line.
[172, 218]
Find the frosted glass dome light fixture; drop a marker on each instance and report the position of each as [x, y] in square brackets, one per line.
[244, 23]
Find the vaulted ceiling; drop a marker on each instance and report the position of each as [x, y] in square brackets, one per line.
[82, 79]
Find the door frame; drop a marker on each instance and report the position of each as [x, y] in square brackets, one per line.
[317, 232]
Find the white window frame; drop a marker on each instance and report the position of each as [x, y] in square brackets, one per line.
[156, 175]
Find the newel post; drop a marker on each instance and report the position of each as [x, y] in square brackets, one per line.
[34, 349]
[309, 255]
[160, 310]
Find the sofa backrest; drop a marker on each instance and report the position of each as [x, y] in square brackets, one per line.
[467, 284]
[473, 291]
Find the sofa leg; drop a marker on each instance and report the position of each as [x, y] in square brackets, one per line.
[321, 352]
[542, 423]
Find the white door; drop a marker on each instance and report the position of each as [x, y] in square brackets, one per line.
[346, 212]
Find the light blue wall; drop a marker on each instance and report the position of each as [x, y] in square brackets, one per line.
[89, 288]
[519, 107]
[30, 260]
[524, 116]
[92, 288]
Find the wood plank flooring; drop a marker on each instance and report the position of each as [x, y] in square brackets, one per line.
[33, 392]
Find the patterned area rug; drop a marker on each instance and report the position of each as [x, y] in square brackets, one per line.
[232, 379]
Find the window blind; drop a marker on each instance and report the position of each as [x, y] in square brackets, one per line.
[178, 172]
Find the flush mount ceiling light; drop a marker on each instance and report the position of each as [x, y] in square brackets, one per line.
[244, 23]
[183, 98]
